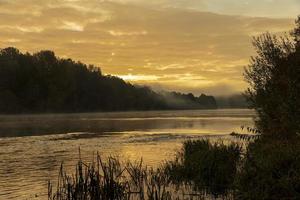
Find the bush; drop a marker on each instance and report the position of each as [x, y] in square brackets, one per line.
[271, 170]
[206, 166]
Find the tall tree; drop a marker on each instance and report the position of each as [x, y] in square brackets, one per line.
[274, 83]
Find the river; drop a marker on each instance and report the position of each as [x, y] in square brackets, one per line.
[32, 147]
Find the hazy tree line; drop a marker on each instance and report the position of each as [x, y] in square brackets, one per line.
[42, 82]
[188, 101]
[232, 101]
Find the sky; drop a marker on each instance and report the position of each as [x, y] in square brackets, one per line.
[198, 46]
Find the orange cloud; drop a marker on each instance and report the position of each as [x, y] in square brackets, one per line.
[171, 47]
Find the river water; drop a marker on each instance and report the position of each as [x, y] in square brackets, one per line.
[32, 147]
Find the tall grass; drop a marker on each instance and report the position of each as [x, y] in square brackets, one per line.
[202, 170]
[99, 180]
[110, 180]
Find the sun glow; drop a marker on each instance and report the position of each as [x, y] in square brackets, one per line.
[131, 77]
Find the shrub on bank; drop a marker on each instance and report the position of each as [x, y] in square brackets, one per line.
[271, 170]
[206, 166]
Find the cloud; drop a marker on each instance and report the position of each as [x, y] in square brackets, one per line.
[262, 8]
[73, 26]
[120, 33]
[179, 49]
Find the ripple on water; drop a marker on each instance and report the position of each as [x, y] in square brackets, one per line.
[29, 157]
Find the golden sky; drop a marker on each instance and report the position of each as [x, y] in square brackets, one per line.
[184, 45]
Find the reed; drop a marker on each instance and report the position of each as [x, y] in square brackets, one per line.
[202, 170]
[110, 180]
[98, 180]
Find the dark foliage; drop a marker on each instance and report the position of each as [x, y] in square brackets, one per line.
[206, 166]
[274, 79]
[271, 170]
[271, 166]
[44, 83]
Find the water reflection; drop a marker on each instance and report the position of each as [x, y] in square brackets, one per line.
[24, 125]
[32, 147]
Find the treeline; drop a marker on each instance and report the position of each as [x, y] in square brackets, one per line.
[189, 101]
[42, 82]
[232, 101]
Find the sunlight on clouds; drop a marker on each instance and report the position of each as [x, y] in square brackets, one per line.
[120, 33]
[29, 29]
[130, 77]
[262, 8]
[170, 66]
[12, 40]
[168, 44]
[71, 26]
[79, 41]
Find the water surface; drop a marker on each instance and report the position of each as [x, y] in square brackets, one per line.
[32, 147]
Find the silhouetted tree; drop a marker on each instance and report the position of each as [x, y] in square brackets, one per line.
[274, 79]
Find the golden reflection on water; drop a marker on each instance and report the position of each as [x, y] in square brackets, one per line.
[32, 147]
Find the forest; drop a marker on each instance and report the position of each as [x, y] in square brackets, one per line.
[42, 82]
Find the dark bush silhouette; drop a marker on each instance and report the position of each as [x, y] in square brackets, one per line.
[206, 166]
[274, 79]
[271, 167]
[271, 170]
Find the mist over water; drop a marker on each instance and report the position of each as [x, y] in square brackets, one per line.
[32, 147]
